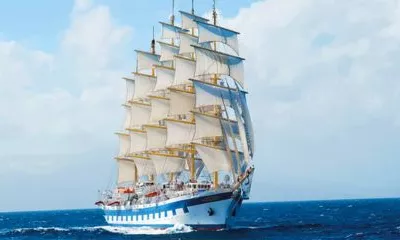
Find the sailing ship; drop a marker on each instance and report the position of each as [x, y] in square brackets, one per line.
[187, 144]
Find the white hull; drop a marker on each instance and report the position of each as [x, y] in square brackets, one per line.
[206, 211]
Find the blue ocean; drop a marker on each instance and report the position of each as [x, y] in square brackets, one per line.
[347, 219]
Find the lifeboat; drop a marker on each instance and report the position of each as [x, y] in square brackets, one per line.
[99, 203]
[116, 203]
[152, 194]
[125, 190]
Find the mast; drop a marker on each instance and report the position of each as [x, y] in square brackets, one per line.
[172, 19]
[153, 50]
[215, 80]
[214, 13]
[175, 121]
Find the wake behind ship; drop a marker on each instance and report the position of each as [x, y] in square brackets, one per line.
[187, 144]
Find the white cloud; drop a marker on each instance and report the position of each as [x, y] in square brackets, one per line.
[65, 102]
[323, 73]
[321, 59]
[324, 89]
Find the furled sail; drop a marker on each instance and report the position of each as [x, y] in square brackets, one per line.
[165, 78]
[145, 166]
[214, 33]
[179, 132]
[144, 84]
[184, 70]
[159, 108]
[181, 102]
[168, 51]
[167, 163]
[156, 137]
[146, 60]
[188, 20]
[124, 144]
[140, 114]
[126, 171]
[214, 159]
[211, 62]
[138, 141]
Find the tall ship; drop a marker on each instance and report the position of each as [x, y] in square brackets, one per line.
[187, 143]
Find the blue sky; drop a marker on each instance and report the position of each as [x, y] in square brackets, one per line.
[39, 24]
[323, 79]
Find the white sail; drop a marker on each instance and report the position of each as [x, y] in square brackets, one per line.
[146, 60]
[207, 126]
[165, 78]
[188, 20]
[209, 94]
[214, 159]
[156, 138]
[181, 102]
[170, 31]
[138, 142]
[126, 171]
[213, 33]
[127, 122]
[130, 89]
[144, 166]
[144, 84]
[167, 164]
[124, 144]
[245, 133]
[247, 121]
[140, 114]
[184, 70]
[187, 124]
[211, 62]
[159, 109]
[186, 42]
[168, 51]
[179, 132]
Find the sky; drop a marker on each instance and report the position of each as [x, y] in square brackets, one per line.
[322, 76]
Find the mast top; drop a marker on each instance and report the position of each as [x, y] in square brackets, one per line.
[193, 7]
[173, 13]
[214, 13]
[153, 44]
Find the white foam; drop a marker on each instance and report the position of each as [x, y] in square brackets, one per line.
[39, 229]
[177, 228]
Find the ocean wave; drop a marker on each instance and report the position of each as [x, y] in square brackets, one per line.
[283, 227]
[178, 228]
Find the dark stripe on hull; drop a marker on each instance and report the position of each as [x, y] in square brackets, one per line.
[182, 204]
